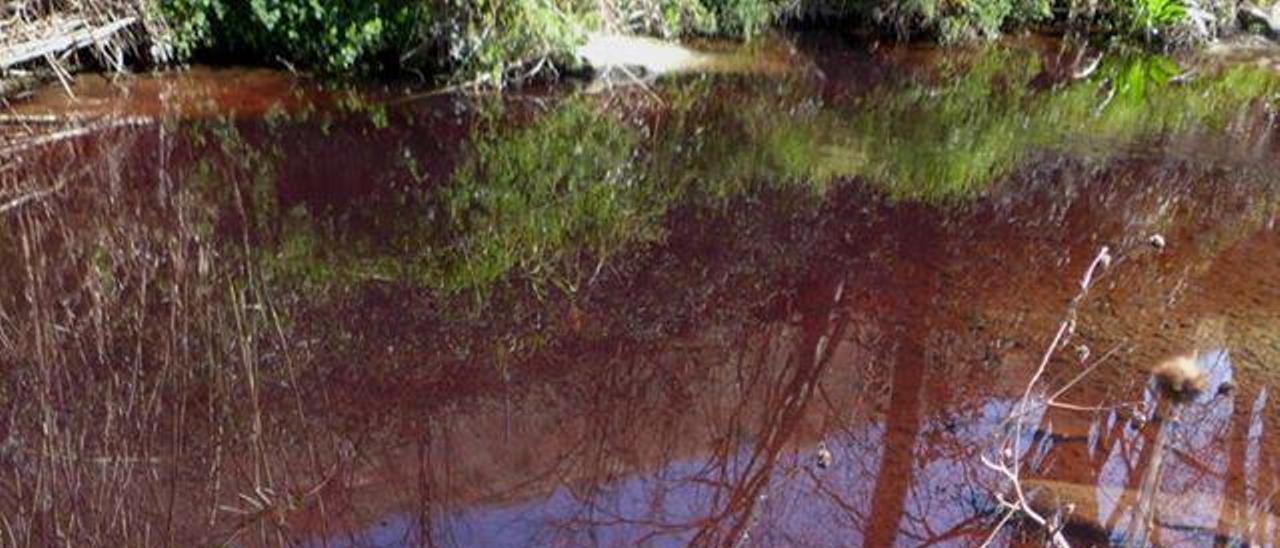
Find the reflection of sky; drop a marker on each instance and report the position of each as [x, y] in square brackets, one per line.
[664, 501]
[802, 505]
[805, 506]
[1195, 461]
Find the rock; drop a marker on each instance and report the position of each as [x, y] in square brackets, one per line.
[644, 58]
[604, 52]
[1156, 241]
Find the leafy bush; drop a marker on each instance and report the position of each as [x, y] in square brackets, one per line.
[346, 36]
[1149, 17]
[493, 37]
[744, 17]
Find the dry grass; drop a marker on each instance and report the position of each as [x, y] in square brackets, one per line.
[138, 360]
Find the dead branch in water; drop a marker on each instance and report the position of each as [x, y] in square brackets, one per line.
[25, 119]
[13, 154]
[27, 145]
[1008, 458]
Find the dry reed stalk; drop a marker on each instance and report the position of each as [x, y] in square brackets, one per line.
[1008, 459]
[113, 323]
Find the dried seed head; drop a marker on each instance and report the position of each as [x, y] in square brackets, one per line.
[1181, 375]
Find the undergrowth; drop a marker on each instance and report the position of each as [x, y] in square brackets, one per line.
[501, 39]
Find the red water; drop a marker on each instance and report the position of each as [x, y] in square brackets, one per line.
[682, 396]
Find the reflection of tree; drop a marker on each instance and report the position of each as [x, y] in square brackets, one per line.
[586, 486]
[914, 302]
[819, 326]
[1237, 469]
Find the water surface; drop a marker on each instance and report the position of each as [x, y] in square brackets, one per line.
[269, 311]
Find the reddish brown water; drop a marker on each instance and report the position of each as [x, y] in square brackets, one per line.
[231, 330]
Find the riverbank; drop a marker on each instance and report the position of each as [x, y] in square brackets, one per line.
[499, 42]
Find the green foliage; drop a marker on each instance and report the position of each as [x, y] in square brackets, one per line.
[1152, 15]
[190, 23]
[1145, 20]
[1148, 21]
[744, 17]
[348, 36]
[1159, 13]
[949, 21]
[493, 36]
[499, 39]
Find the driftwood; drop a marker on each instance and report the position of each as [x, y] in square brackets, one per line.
[59, 38]
[1269, 18]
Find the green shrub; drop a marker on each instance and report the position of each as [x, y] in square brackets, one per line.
[744, 17]
[1149, 17]
[348, 36]
[493, 38]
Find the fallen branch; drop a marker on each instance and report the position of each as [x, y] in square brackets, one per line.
[43, 140]
[59, 38]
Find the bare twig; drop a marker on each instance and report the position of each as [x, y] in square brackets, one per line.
[24, 119]
[1079, 377]
[1008, 460]
[29, 197]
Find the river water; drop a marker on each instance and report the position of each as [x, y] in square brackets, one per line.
[774, 307]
